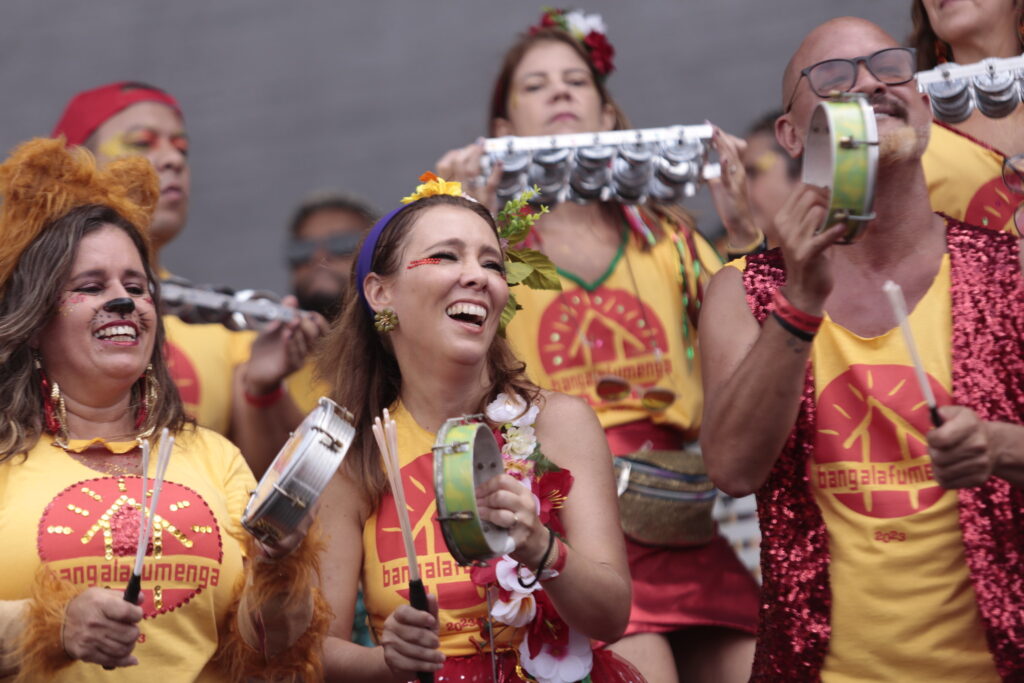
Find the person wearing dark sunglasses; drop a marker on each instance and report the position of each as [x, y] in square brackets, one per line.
[323, 236]
[891, 546]
[964, 159]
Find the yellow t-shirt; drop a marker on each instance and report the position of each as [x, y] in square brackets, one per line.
[202, 361]
[83, 524]
[462, 604]
[629, 323]
[304, 389]
[903, 607]
[965, 181]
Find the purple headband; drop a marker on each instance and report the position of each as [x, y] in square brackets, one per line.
[365, 262]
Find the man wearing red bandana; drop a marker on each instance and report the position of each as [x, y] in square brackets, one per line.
[892, 547]
[222, 387]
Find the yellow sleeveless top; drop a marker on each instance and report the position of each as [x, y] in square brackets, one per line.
[965, 181]
[903, 608]
[462, 605]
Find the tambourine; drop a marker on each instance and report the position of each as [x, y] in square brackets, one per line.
[300, 472]
[466, 454]
[841, 154]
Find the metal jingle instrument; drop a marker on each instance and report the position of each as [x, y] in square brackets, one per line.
[993, 86]
[466, 455]
[300, 472]
[247, 309]
[630, 166]
[841, 154]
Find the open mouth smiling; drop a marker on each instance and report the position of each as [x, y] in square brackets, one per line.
[117, 332]
[462, 311]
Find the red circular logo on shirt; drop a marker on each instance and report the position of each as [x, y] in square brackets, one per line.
[870, 452]
[185, 377]
[608, 332]
[992, 206]
[438, 569]
[89, 535]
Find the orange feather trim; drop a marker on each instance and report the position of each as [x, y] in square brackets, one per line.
[271, 590]
[40, 649]
[43, 180]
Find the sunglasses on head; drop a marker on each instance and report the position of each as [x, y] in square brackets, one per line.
[892, 66]
[301, 251]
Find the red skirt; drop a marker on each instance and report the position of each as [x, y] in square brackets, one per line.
[608, 668]
[675, 588]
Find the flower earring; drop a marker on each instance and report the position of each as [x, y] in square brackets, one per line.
[385, 320]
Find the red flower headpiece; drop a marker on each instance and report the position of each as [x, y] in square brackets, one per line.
[588, 29]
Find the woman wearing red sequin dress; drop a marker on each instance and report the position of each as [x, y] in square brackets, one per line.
[85, 381]
[621, 335]
[964, 161]
[418, 335]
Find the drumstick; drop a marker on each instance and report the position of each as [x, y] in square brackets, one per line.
[899, 308]
[134, 587]
[131, 593]
[386, 434]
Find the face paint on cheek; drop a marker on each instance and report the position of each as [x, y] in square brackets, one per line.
[68, 303]
[422, 262]
[115, 147]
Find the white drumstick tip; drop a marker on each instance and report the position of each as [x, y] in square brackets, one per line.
[899, 308]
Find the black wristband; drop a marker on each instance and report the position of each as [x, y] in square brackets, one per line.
[796, 332]
[543, 561]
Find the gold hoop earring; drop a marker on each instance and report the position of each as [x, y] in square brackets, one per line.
[385, 320]
[147, 400]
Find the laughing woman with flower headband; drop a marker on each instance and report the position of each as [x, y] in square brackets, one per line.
[621, 335]
[965, 162]
[419, 335]
[85, 382]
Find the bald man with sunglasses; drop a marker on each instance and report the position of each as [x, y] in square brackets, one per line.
[892, 548]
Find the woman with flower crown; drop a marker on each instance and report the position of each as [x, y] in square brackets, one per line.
[85, 385]
[621, 335]
[419, 335]
[964, 162]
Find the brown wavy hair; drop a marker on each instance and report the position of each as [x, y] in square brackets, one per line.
[358, 364]
[923, 37]
[29, 300]
[653, 211]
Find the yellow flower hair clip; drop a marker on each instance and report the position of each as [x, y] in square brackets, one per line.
[432, 185]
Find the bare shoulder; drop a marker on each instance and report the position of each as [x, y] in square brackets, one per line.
[568, 430]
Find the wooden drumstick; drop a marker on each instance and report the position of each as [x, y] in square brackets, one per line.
[899, 308]
[134, 587]
[386, 434]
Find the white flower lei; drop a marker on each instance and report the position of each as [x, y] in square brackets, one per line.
[521, 607]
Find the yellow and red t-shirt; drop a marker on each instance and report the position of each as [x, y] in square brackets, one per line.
[202, 360]
[628, 323]
[903, 607]
[83, 525]
[965, 180]
[462, 605]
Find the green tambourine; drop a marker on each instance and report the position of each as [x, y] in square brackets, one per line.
[466, 455]
[841, 154]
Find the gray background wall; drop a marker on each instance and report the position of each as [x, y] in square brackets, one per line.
[283, 97]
